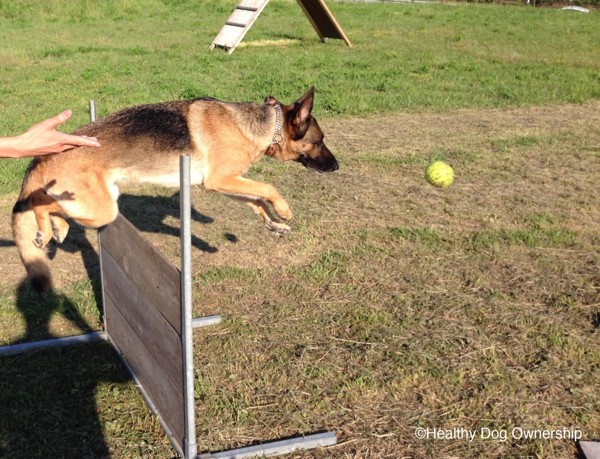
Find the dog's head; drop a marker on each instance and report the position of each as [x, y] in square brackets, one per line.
[302, 136]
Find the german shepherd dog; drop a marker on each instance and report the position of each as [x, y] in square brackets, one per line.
[143, 144]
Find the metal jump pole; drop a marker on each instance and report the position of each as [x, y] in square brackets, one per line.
[190, 447]
[188, 324]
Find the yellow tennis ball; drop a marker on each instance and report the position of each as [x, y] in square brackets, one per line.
[439, 174]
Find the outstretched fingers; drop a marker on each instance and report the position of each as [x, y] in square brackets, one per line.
[43, 138]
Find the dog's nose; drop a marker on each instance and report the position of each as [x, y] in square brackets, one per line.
[335, 166]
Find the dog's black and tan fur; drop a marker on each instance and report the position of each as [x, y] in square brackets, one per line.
[143, 144]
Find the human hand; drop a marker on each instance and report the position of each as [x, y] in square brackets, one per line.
[43, 138]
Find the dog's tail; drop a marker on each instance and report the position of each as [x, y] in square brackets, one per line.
[25, 228]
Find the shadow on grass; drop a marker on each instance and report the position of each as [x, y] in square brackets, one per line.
[37, 310]
[77, 242]
[148, 214]
[48, 396]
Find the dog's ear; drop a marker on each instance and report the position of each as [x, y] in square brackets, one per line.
[299, 115]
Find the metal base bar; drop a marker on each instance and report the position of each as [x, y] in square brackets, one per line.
[277, 447]
[198, 322]
[591, 449]
[14, 349]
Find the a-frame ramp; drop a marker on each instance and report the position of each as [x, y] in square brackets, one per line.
[238, 24]
[323, 20]
[248, 11]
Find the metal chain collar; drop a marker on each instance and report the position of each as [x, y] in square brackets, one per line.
[278, 136]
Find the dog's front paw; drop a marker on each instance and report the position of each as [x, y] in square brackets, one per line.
[277, 229]
[284, 212]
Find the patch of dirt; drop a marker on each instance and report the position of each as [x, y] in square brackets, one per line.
[226, 233]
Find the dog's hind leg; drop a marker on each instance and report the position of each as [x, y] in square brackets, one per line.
[43, 205]
[60, 228]
[97, 210]
[94, 217]
[94, 205]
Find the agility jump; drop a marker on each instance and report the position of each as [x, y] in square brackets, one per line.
[148, 320]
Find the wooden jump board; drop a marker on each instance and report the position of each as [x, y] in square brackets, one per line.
[141, 291]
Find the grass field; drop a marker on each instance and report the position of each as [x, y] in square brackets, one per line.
[405, 58]
[392, 306]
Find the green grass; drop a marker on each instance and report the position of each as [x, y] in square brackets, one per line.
[530, 238]
[60, 54]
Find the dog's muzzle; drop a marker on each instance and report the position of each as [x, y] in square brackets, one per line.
[320, 165]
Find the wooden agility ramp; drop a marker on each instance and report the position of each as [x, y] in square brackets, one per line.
[247, 11]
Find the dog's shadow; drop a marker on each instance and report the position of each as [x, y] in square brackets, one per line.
[48, 397]
[148, 214]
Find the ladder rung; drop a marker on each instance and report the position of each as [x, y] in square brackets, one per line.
[235, 24]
